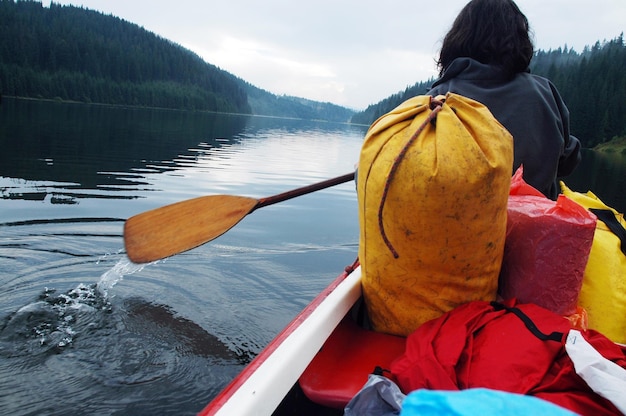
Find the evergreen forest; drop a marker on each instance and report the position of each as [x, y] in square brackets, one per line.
[592, 84]
[75, 54]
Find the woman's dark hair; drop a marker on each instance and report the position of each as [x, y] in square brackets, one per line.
[493, 32]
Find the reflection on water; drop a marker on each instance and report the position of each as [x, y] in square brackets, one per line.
[89, 354]
[92, 333]
[66, 150]
[168, 336]
[95, 156]
[604, 174]
[160, 321]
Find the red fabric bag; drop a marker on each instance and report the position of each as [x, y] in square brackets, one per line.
[518, 348]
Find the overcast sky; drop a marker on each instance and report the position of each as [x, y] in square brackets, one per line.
[348, 52]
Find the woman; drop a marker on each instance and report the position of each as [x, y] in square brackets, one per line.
[485, 56]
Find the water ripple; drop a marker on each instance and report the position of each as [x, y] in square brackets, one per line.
[88, 348]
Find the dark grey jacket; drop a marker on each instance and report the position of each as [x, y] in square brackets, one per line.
[531, 109]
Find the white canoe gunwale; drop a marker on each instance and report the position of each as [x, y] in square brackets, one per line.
[262, 384]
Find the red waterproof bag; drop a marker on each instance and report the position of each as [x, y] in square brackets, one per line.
[546, 250]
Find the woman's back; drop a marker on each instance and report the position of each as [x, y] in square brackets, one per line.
[529, 107]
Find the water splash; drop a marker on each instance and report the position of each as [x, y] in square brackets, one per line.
[53, 321]
[122, 268]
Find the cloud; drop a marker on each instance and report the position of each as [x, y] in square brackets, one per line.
[349, 52]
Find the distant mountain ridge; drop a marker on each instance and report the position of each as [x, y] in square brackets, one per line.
[76, 54]
[265, 103]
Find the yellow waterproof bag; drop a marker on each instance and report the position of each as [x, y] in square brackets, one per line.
[603, 292]
[433, 184]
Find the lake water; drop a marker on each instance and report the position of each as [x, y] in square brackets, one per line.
[84, 331]
[165, 338]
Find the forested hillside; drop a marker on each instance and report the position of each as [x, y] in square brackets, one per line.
[76, 54]
[592, 83]
[374, 111]
[263, 102]
[71, 53]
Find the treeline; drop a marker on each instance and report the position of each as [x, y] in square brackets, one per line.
[263, 102]
[372, 112]
[592, 83]
[71, 53]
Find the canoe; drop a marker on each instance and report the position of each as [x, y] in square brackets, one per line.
[316, 364]
[323, 357]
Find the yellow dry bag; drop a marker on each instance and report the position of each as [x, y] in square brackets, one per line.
[603, 292]
[433, 184]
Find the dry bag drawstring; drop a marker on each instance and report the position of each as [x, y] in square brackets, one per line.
[435, 106]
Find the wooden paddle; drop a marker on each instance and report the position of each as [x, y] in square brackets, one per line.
[172, 229]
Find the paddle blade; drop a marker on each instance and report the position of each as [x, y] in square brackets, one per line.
[179, 227]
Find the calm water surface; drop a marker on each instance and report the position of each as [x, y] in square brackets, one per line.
[84, 331]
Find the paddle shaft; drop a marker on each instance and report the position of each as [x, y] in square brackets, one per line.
[263, 202]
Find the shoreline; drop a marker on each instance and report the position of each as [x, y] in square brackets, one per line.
[616, 145]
